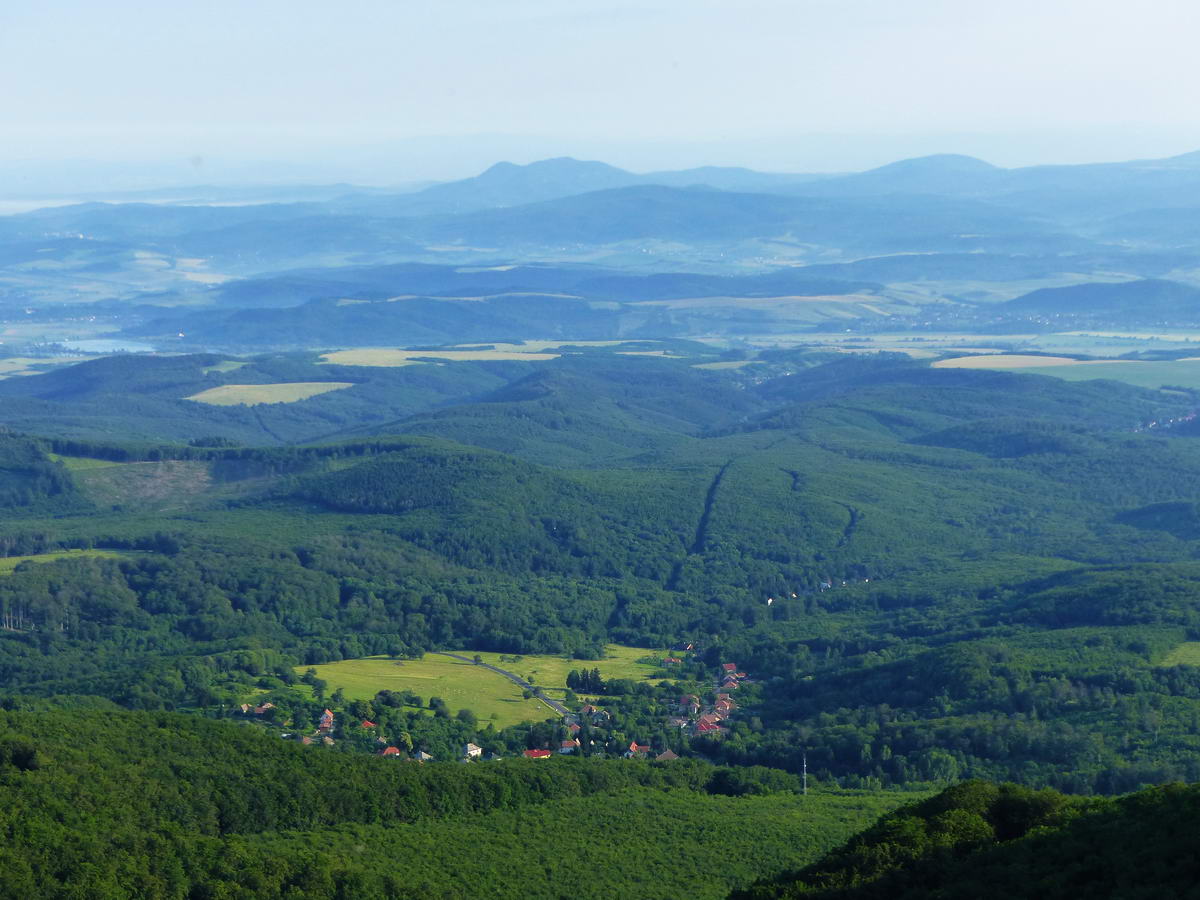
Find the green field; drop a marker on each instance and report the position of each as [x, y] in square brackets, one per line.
[1141, 373]
[8, 563]
[255, 394]
[491, 696]
[83, 463]
[1186, 654]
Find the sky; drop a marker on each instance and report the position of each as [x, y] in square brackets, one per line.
[397, 91]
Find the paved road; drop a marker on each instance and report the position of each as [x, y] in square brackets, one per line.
[536, 691]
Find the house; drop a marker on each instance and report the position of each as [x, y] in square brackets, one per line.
[729, 667]
[366, 723]
[259, 710]
[689, 704]
[326, 721]
[677, 721]
[472, 751]
[589, 710]
[730, 683]
[568, 746]
[574, 729]
[708, 728]
[636, 750]
[666, 756]
[390, 751]
[422, 756]
[245, 709]
[537, 754]
[327, 741]
[723, 707]
[306, 740]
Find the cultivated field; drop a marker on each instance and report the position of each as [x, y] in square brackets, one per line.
[256, 394]
[491, 696]
[8, 563]
[25, 365]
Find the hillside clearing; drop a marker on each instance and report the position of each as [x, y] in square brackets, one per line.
[385, 357]
[9, 563]
[257, 394]
[491, 696]
[1186, 654]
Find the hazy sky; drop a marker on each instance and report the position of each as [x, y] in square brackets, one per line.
[399, 90]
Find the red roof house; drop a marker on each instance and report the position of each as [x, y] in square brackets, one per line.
[326, 721]
[537, 754]
[390, 751]
[366, 723]
[729, 667]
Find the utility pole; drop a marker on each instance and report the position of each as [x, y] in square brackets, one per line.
[804, 770]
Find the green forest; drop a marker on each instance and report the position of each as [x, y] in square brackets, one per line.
[881, 577]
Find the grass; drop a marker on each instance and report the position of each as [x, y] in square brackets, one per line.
[9, 563]
[25, 365]
[255, 394]
[727, 364]
[83, 463]
[1186, 654]
[1141, 373]
[491, 696]
[225, 365]
[389, 357]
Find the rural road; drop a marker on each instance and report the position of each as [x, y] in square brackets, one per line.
[536, 691]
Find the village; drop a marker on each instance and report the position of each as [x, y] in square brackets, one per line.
[703, 715]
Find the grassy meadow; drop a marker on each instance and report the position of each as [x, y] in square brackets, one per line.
[1141, 373]
[1186, 654]
[491, 696]
[9, 563]
[255, 394]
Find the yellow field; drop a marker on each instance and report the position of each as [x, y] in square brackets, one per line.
[8, 563]
[256, 394]
[730, 364]
[24, 365]
[491, 696]
[537, 346]
[1007, 361]
[387, 357]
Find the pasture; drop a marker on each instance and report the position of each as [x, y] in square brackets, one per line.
[491, 696]
[257, 394]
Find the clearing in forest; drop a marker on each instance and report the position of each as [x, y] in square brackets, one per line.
[389, 358]
[9, 563]
[255, 394]
[491, 696]
[1186, 654]
[1141, 373]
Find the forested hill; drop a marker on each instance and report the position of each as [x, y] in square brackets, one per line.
[931, 574]
[101, 802]
[984, 840]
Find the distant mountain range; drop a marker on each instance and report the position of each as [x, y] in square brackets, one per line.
[931, 230]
